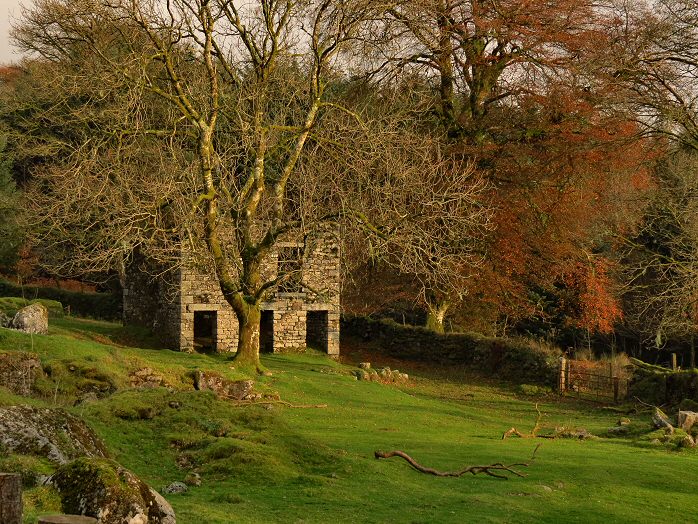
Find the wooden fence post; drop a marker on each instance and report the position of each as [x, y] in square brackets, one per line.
[562, 382]
[673, 361]
[616, 389]
[10, 498]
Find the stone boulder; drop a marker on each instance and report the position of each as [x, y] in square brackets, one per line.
[103, 489]
[224, 388]
[31, 319]
[19, 371]
[660, 420]
[687, 419]
[50, 433]
[175, 488]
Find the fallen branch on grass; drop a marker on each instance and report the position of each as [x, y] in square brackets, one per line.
[559, 432]
[497, 469]
[532, 434]
[241, 403]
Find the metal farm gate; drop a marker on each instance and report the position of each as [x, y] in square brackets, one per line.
[591, 380]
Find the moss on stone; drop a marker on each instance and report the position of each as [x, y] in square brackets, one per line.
[102, 488]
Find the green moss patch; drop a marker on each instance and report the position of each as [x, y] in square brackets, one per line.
[10, 306]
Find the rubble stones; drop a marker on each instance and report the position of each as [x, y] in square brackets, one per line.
[176, 488]
[660, 420]
[146, 378]
[192, 479]
[385, 375]
[224, 388]
[687, 442]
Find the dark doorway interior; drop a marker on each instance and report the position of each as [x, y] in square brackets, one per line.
[316, 330]
[266, 332]
[205, 331]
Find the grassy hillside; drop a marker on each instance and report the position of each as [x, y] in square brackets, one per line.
[315, 464]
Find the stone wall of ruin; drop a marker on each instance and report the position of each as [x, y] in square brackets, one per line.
[169, 303]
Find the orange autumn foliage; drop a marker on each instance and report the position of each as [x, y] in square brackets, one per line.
[593, 304]
[566, 177]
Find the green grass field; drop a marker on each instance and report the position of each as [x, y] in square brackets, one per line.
[315, 464]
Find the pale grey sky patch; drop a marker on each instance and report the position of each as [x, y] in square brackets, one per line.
[9, 11]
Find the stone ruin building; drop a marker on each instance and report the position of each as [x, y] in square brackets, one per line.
[186, 310]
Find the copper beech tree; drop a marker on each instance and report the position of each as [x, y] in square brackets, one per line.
[523, 90]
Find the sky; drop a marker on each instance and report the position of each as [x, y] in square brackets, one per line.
[9, 9]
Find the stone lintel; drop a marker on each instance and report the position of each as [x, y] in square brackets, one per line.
[204, 307]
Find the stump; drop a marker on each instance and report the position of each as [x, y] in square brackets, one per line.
[10, 498]
[66, 519]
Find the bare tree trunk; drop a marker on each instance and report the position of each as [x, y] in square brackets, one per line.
[248, 339]
[436, 313]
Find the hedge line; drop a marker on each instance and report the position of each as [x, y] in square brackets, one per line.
[10, 306]
[105, 306]
[513, 359]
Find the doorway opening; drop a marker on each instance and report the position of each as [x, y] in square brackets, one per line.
[266, 332]
[316, 330]
[205, 328]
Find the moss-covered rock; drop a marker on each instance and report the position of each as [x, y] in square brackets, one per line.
[224, 388]
[103, 489]
[50, 433]
[34, 471]
[11, 305]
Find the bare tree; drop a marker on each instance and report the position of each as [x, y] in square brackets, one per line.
[242, 87]
[481, 54]
[660, 260]
[408, 204]
[655, 45]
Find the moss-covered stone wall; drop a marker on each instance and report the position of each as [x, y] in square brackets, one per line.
[513, 359]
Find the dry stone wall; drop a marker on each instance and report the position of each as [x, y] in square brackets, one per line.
[514, 359]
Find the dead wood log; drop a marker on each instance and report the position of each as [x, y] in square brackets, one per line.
[242, 403]
[532, 434]
[497, 470]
